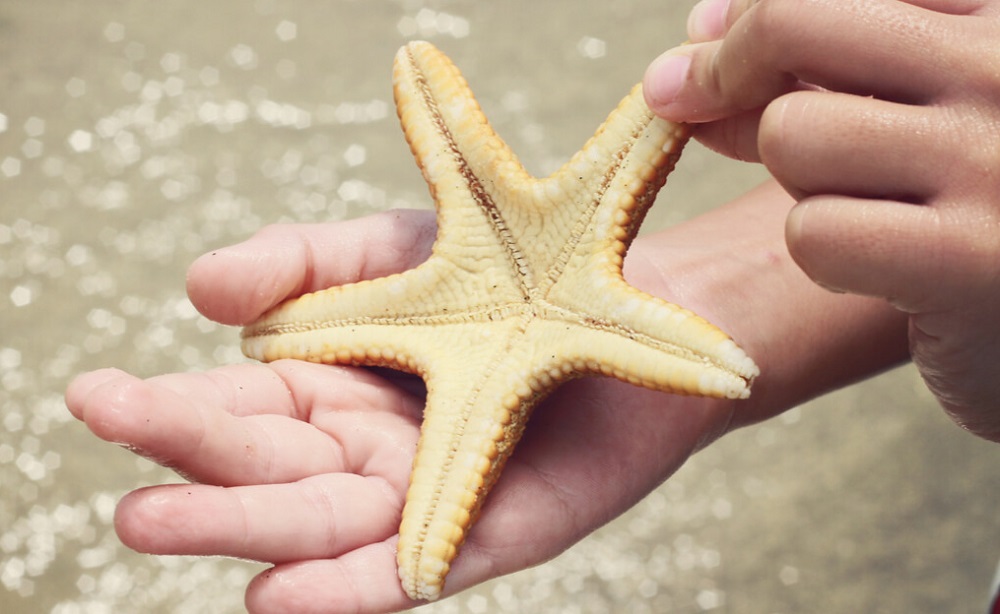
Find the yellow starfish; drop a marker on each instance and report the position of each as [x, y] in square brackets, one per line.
[523, 291]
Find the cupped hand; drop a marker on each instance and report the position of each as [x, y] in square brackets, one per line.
[306, 466]
[882, 119]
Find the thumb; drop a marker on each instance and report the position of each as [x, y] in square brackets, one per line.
[235, 285]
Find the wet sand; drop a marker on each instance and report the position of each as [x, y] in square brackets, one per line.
[136, 136]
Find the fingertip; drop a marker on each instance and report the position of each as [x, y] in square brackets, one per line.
[204, 284]
[682, 85]
[872, 247]
[198, 276]
[798, 241]
[110, 409]
[662, 84]
[78, 391]
[156, 519]
[804, 250]
[272, 590]
[794, 222]
[234, 285]
[772, 138]
[318, 586]
[132, 521]
[102, 400]
[362, 580]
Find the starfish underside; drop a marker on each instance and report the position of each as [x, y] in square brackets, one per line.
[523, 291]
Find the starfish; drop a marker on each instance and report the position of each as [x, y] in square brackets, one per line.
[523, 291]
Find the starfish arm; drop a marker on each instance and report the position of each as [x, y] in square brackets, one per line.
[471, 424]
[311, 328]
[704, 360]
[713, 364]
[443, 122]
[370, 322]
[466, 165]
[655, 344]
[607, 187]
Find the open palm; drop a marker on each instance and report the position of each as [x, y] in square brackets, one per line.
[306, 466]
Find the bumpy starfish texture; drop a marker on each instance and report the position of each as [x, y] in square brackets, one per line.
[523, 291]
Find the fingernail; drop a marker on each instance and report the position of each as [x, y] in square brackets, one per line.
[707, 20]
[665, 78]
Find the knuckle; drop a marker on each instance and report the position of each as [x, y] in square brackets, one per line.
[753, 63]
[772, 20]
[969, 134]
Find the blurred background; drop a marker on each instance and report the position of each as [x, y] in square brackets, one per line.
[136, 136]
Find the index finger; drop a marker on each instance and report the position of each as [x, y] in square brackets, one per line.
[876, 48]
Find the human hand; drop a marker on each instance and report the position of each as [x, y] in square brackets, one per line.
[306, 466]
[882, 119]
